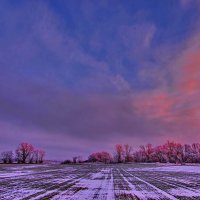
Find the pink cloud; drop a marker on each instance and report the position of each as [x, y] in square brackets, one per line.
[190, 73]
[176, 104]
[158, 105]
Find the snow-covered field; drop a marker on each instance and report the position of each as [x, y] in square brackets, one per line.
[98, 181]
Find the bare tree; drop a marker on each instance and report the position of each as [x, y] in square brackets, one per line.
[36, 156]
[7, 156]
[106, 157]
[103, 156]
[18, 156]
[119, 152]
[128, 153]
[23, 152]
[75, 159]
[41, 154]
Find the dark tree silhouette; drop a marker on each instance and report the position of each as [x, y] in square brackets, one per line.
[119, 152]
[7, 156]
[24, 152]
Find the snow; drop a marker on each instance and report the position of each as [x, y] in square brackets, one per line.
[188, 169]
[14, 174]
[183, 192]
[172, 168]
[99, 182]
[150, 194]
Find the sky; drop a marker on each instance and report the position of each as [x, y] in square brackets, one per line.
[80, 76]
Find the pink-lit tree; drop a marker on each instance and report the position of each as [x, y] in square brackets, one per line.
[103, 156]
[119, 153]
[41, 154]
[24, 152]
[128, 153]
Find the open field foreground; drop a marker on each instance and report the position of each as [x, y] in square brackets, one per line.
[98, 181]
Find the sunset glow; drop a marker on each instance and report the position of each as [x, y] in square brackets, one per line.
[78, 77]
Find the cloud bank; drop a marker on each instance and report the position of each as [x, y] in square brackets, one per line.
[80, 77]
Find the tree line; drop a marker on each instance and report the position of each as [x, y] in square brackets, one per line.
[170, 152]
[25, 153]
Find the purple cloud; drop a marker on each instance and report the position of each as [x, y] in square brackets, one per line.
[75, 82]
